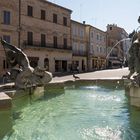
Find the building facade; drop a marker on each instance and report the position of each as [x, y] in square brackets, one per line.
[9, 23]
[117, 45]
[42, 30]
[45, 35]
[51, 40]
[79, 46]
[96, 41]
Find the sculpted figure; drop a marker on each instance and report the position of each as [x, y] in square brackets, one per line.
[16, 56]
[134, 58]
[25, 75]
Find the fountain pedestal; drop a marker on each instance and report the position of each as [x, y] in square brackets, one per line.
[5, 101]
[135, 96]
[133, 92]
[132, 83]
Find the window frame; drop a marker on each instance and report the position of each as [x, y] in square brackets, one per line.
[30, 11]
[30, 38]
[7, 38]
[43, 40]
[65, 21]
[55, 18]
[43, 14]
[6, 17]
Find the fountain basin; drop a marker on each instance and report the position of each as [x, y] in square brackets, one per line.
[5, 101]
[78, 110]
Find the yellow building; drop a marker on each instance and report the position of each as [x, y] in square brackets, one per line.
[96, 41]
[79, 46]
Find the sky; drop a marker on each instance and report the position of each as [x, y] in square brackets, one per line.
[99, 13]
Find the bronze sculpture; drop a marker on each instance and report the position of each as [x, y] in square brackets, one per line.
[24, 75]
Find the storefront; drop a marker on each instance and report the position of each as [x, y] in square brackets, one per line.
[98, 63]
[60, 66]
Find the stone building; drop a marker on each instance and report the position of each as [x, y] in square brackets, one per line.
[96, 43]
[42, 30]
[51, 40]
[9, 23]
[117, 46]
[79, 46]
[45, 35]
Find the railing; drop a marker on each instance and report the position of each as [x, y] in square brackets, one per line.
[34, 44]
[80, 53]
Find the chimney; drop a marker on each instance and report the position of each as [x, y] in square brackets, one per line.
[84, 22]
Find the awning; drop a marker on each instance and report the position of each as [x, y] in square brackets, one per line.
[115, 62]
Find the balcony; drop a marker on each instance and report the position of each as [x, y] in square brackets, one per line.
[79, 53]
[49, 46]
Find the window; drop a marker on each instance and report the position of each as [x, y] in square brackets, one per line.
[97, 49]
[100, 38]
[43, 40]
[81, 33]
[104, 39]
[46, 63]
[6, 38]
[55, 42]
[5, 64]
[104, 50]
[92, 34]
[30, 38]
[54, 18]
[6, 17]
[110, 28]
[100, 49]
[64, 21]
[43, 14]
[33, 61]
[97, 37]
[30, 11]
[65, 42]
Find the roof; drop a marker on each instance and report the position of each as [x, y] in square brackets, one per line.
[96, 28]
[46, 1]
[78, 22]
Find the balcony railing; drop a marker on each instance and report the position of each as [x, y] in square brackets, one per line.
[80, 53]
[34, 44]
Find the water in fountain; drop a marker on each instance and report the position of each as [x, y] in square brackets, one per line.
[130, 39]
[116, 45]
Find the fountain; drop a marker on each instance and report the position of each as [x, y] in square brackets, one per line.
[132, 80]
[24, 75]
[27, 80]
[116, 45]
[124, 53]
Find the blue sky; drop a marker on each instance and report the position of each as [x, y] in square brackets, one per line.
[99, 13]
